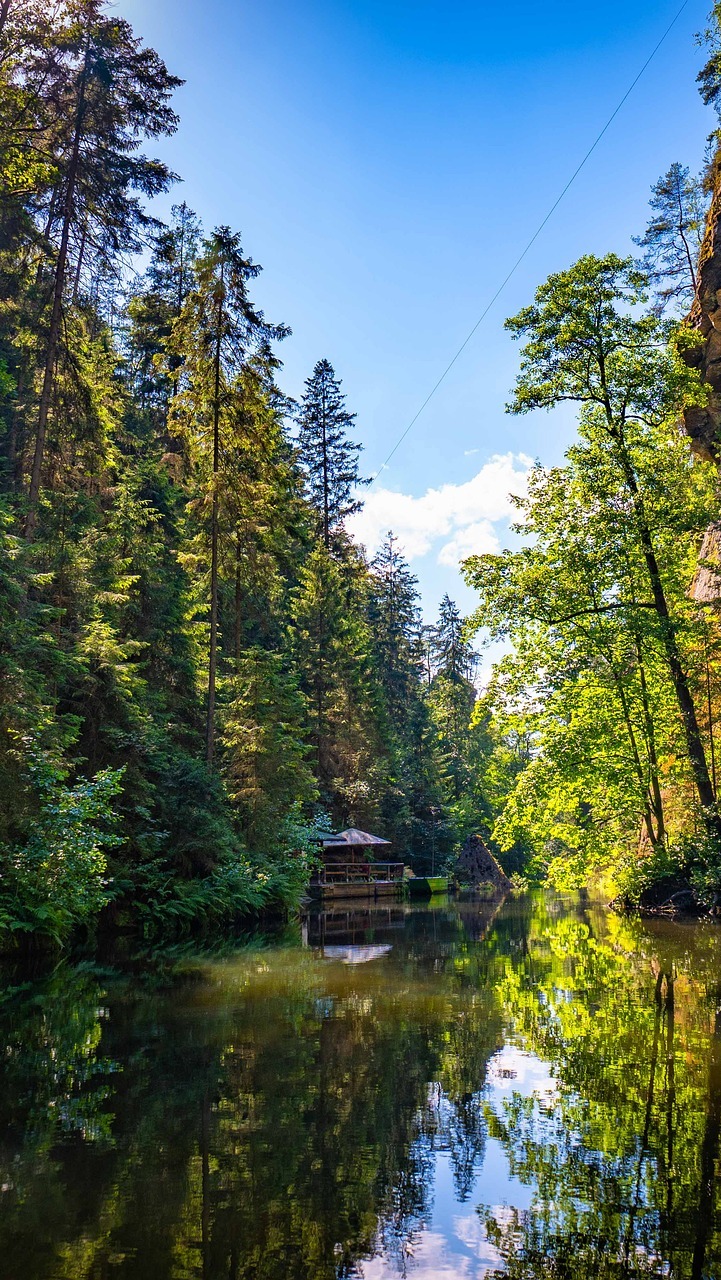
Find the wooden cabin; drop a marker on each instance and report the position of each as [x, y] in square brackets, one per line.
[349, 868]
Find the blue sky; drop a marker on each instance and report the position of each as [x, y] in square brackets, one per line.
[386, 162]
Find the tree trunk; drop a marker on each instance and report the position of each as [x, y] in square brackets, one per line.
[213, 654]
[709, 710]
[652, 803]
[679, 679]
[651, 745]
[694, 741]
[4, 13]
[79, 265]
[682, 233]
[238, 601]
[60, 270]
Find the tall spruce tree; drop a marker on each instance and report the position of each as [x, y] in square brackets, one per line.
[327, 455]
[218, 333]
[452, 696]
[154, 308]
[114, 93]
[394, 614]
[453, 656]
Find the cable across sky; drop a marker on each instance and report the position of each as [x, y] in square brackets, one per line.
[532, 240]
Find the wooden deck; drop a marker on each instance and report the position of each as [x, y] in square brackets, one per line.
[338, 880]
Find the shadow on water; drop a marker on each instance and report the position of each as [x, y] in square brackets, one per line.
[528, 1088]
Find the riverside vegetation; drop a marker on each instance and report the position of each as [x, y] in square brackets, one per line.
[200, 669]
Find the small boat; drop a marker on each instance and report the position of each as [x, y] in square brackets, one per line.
[427, 886]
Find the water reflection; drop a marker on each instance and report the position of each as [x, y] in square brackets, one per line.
[525, 1089]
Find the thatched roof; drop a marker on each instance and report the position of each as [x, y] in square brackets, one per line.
[360, 839]
[477, 865]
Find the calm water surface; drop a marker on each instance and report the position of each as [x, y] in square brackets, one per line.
[527, 1090]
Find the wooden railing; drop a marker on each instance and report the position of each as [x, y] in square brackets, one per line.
[360, 873]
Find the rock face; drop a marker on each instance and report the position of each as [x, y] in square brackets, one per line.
[703, 425]
[476, 865]
[706, 588]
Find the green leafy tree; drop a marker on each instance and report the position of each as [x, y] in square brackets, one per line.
[586, 343]
[57, 879]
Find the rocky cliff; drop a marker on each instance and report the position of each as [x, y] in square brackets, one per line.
[703, 425]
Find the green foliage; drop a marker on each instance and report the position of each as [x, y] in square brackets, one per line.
[672, 239]
[607, 645]
[182, 606]
[57, 880]
[264, 753]
[326, 453]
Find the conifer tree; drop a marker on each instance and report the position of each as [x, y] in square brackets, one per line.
[452, 695]
[672, 239]
[453, 655]
[218, 331]
[114, 93]
[264, 752]
[394, 615]
[327, 455]
[333, 651]
[155, 307]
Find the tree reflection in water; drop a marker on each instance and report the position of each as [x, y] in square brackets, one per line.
[275, 1112]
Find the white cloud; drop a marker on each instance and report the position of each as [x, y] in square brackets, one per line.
[473, 540]
[430, 1257]
[460, 515]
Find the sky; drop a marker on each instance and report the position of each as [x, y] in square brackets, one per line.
[386, 161]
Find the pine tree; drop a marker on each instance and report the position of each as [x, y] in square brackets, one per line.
[264, 752]
[672, 239]
[218, 332]
[328, 457]
[333, 652]
[452, 654]
[155, 307]
[452, 696]
[115, 93]
[394, 615]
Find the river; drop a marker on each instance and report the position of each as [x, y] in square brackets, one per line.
[527, 1089]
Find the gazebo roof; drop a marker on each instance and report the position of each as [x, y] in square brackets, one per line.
[361, 839]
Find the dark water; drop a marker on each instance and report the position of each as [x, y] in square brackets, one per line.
[470, 1091]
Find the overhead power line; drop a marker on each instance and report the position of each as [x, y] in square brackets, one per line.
[532, 240]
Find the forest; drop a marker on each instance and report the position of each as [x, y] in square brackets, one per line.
[201, 670]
